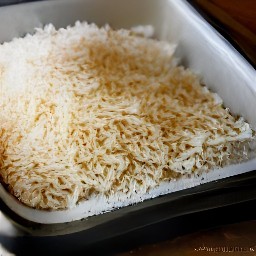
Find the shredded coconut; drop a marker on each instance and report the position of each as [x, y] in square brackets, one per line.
[88, 111]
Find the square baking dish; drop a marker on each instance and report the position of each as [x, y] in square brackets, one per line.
[200, 48]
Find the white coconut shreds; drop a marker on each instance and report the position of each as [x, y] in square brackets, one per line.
[91, 111]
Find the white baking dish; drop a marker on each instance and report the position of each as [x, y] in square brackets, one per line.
[200, 47]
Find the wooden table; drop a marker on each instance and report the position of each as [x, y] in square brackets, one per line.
[235, 19]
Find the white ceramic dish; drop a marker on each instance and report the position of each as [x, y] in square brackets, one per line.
[200, 47]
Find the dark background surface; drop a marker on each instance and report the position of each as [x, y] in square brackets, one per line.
[235, 20]
[182, 235]
[233, 225]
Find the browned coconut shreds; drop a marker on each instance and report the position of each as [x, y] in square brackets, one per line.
[88, 110]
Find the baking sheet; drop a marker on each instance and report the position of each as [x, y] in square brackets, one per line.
[199, 47]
